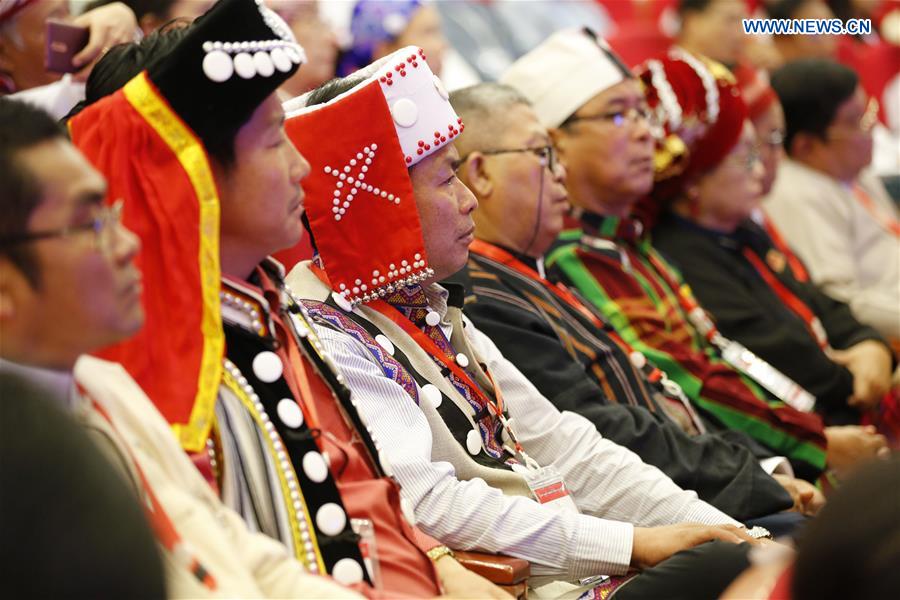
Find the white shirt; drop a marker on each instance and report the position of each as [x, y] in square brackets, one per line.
[606, 480]
[849, 254]
[244, 564]
[57, 98]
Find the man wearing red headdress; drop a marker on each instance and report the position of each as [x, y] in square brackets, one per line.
[285, 447]
[93, 296]
[485, 461]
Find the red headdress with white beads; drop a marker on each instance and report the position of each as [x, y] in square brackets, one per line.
[359, 197]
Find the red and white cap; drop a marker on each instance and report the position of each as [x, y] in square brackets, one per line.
[359, 197]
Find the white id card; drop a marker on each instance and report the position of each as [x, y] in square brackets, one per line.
[366, 532]
[548, 488]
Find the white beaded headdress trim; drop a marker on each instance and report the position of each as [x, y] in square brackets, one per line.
[257, 58]
[669, 110]
[382, 284]
[708, 80]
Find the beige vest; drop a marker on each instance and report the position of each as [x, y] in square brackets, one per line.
[444, 447]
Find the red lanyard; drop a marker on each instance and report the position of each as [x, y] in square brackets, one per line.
[159, 520]
[428, 345]
[888, 222]
[560, 291]
[790, 300]
[695, 314]
[775, 235]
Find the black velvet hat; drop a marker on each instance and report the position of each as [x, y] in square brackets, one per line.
[232, 59]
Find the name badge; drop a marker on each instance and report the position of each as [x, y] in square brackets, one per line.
[776, 382]
[549, 489]
[735, 354]
[366, 532]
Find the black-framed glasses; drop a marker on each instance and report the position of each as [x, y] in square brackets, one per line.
[633, 115]
[103, 224]
[546, 154]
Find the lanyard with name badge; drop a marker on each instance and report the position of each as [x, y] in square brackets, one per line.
[735, 353]
[545, 483]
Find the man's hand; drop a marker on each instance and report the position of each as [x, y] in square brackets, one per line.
[870, 364]
[459, 582]
[849, 445]
[108, 25]
[652, 545]
[808, 499]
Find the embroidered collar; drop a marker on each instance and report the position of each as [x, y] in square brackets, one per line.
[626, 229]
[436, 297]
[250, 304]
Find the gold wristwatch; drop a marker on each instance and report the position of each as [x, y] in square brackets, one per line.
[438, 552]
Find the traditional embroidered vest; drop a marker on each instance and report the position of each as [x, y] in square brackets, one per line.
[451, 417]
[275, 473]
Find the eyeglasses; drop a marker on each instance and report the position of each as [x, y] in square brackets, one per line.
[546, 154]
[748, 160]
[618, 118]
[104, 223]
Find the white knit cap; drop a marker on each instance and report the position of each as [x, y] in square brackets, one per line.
[563, 73]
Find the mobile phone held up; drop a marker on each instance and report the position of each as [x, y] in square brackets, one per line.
[64, 41]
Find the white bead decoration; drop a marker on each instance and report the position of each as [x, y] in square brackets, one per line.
[638, 359]
[314, 467]
[217, 66]
[473, 442]
[341, 299]
[281, 60]
[441, 90]
[267, 366]
[386, 465]
[347, 571]
[244, 66]
[405, 112]
[266, 57]
[331, 519]
[287, 472]
[385, 343]
[290, 413]
[432, 394]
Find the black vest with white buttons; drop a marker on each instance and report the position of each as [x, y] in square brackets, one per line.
[305, 484]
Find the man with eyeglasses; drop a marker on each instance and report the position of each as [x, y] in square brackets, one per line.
[831, 208]
[611, 260]
[485, 461]
[583, 365]
[69, 286]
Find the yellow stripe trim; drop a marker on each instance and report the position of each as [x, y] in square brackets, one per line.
[299, 550]
[141, 94]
